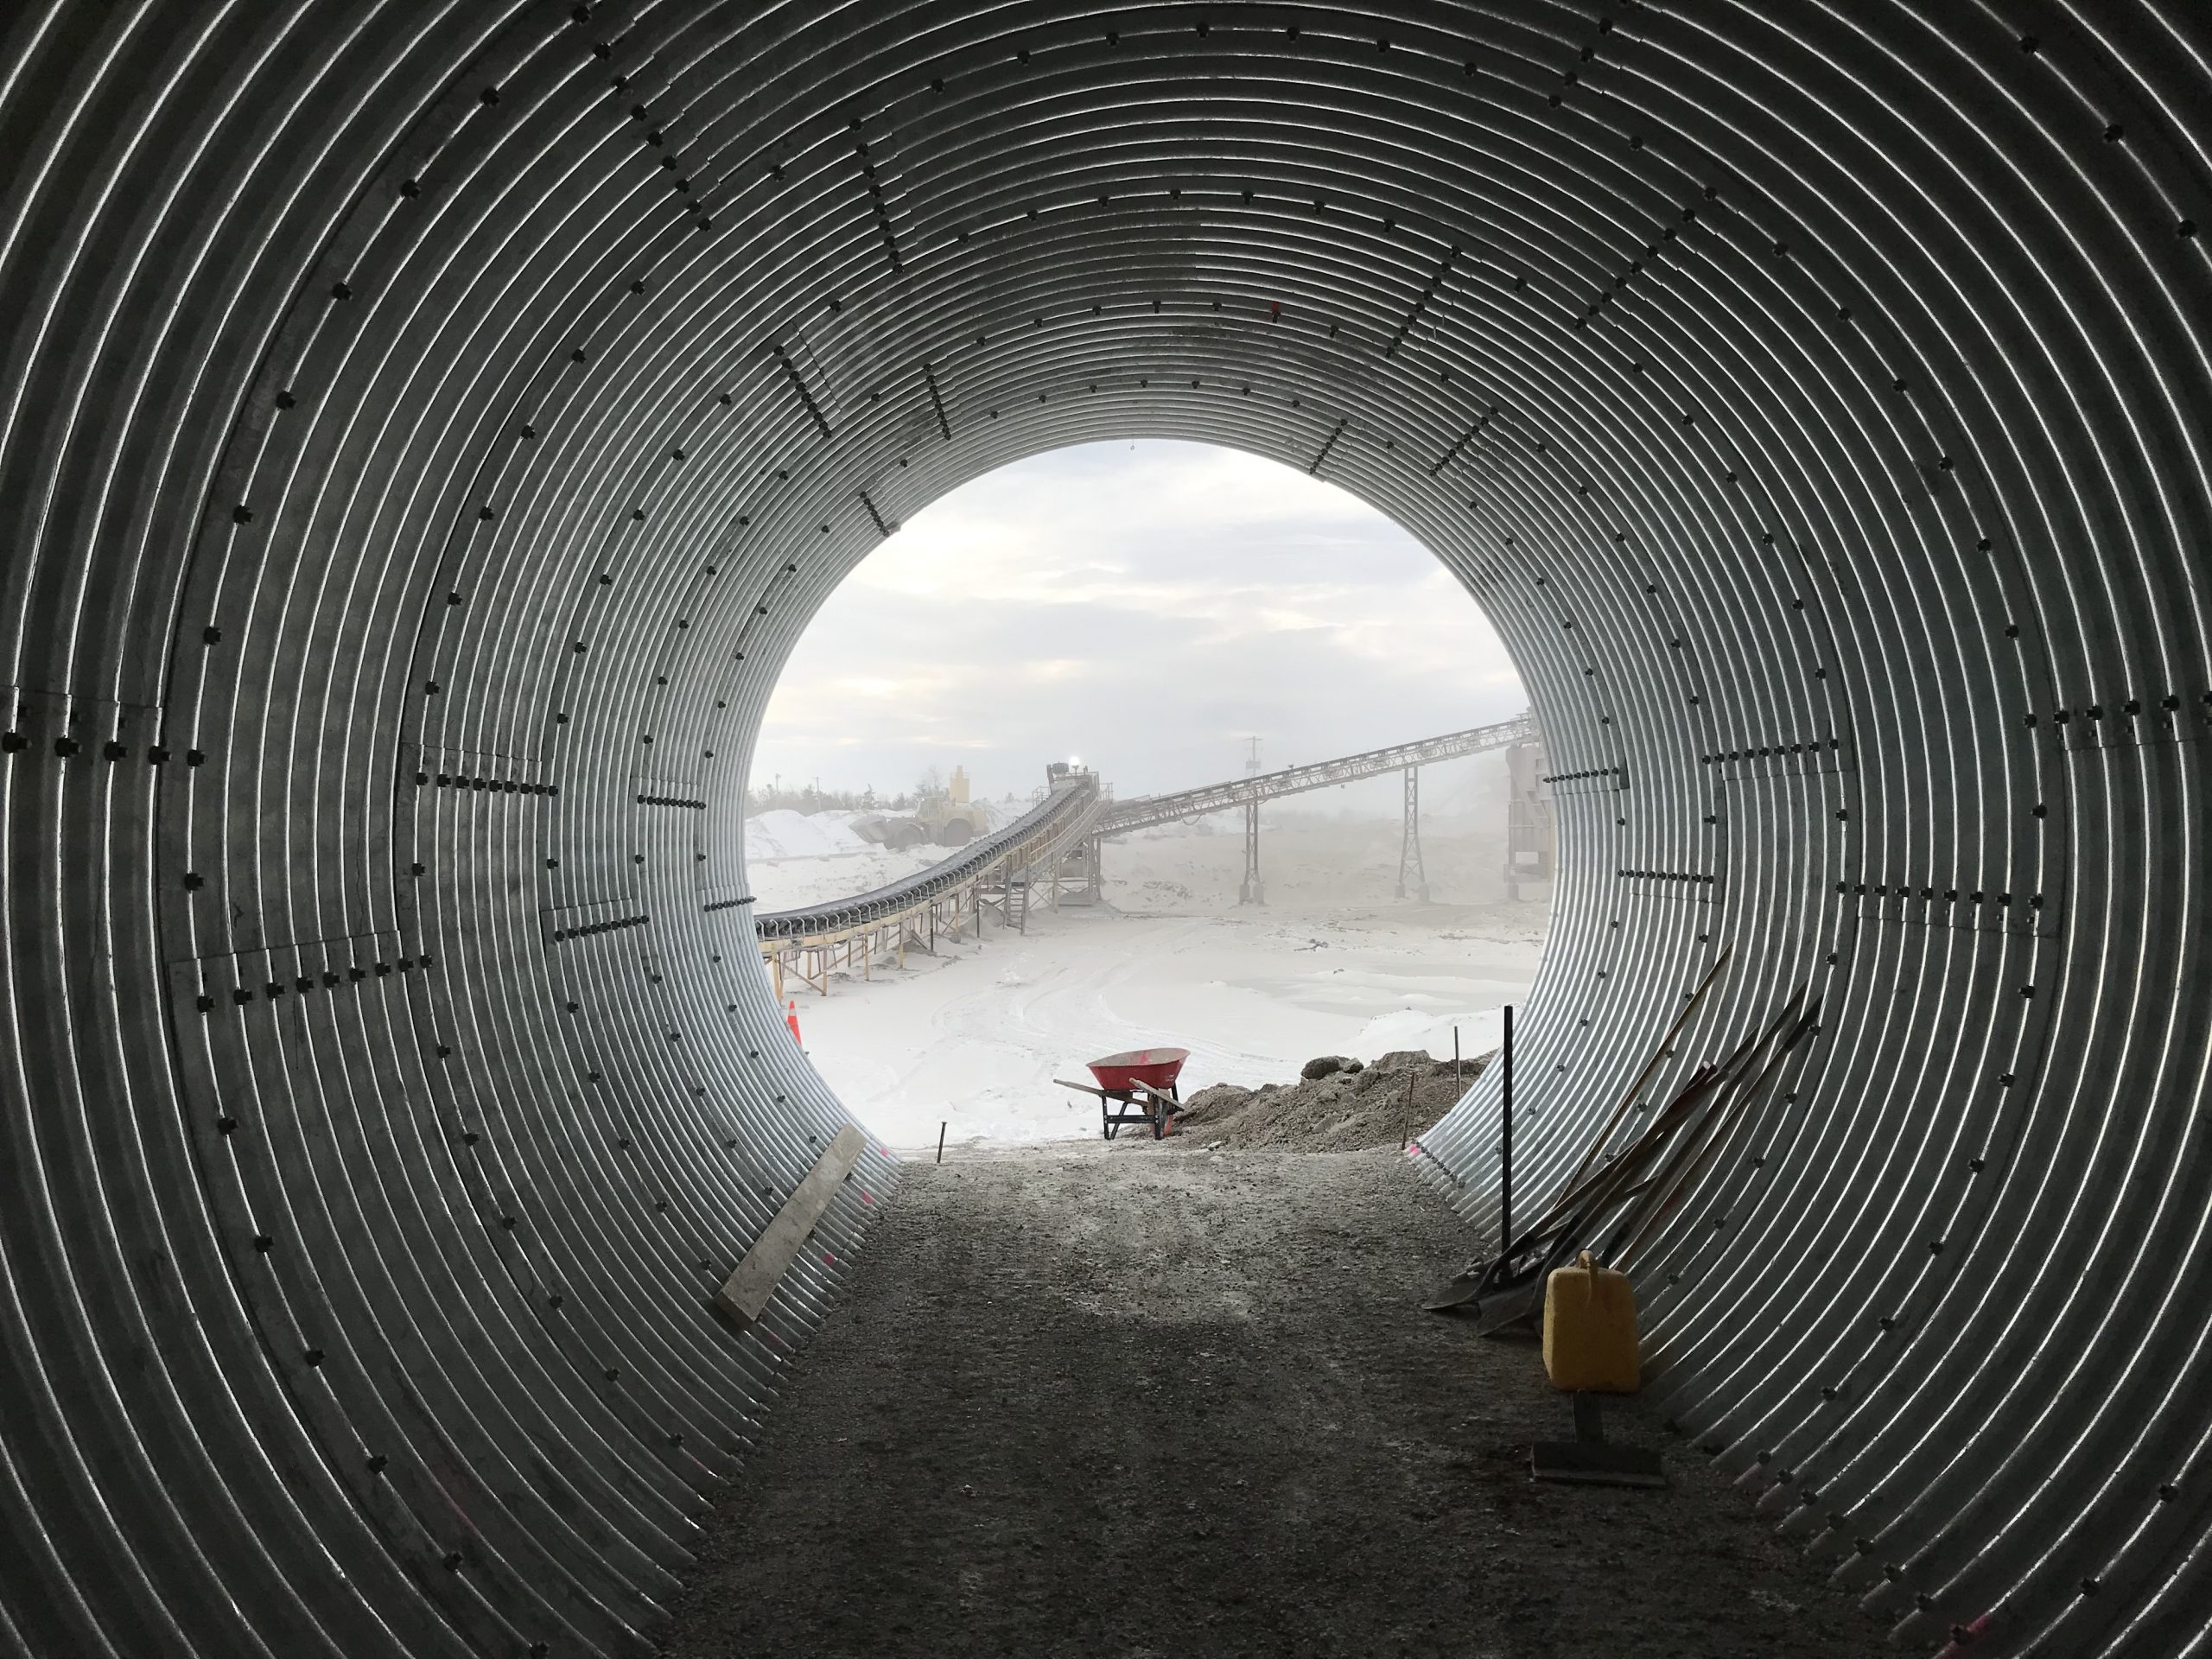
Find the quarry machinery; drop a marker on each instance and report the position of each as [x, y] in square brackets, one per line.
[945, 816]
[951, 819]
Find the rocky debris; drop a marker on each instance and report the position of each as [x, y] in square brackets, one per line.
[1328, 1065]
[1338, 1105]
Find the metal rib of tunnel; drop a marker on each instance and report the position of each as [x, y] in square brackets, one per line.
[428, 427]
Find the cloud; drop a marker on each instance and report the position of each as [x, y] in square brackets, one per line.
[1147, 606]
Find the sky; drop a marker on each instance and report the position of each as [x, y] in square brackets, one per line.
[1145, 608]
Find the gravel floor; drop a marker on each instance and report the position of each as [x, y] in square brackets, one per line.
[1147, 1401]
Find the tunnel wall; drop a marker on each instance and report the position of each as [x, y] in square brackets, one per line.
[427, 429]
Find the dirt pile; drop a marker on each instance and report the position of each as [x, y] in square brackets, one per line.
[1338, 1105]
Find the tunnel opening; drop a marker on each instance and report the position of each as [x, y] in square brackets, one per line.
[1304, 739]
[424, 435]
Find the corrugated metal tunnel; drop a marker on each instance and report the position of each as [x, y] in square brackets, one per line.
[427, 428]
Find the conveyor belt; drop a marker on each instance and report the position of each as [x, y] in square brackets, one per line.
[425, 428]
[1143, 810]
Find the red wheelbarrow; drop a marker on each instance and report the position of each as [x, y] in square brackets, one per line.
[1142, 1078]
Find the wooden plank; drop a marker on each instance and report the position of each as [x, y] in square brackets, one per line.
[748, 1289]
[1160, 1099]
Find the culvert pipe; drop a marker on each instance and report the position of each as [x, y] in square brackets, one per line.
[428, 427]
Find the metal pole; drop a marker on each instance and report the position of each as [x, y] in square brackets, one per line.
[1456, 1084]
[940, 1141]
[1505, 1143]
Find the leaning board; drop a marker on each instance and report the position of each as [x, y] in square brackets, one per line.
[748, 1289]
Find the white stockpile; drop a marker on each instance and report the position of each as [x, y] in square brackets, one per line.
[786, 833]
[795, 859]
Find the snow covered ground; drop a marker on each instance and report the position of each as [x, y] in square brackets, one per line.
[1333, 964]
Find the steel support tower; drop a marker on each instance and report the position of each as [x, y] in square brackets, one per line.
[1413, 878]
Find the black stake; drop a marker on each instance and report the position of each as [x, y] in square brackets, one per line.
[1505, 1143]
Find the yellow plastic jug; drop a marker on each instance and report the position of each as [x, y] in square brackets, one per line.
[1590, 1329]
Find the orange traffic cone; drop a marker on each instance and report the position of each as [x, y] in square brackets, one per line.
[791, 1019]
